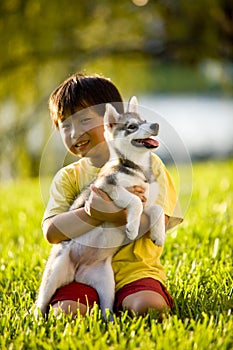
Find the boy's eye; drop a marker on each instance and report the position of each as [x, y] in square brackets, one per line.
[86, 120]
[65, 125]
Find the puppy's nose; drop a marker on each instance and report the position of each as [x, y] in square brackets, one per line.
[155, 127]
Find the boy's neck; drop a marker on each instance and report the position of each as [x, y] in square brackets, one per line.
[100, 158]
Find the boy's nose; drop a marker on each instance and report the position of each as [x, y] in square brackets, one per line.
[76, 130]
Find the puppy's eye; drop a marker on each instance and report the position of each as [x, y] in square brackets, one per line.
[132, 127]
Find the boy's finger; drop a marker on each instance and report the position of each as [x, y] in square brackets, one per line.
[138, 189]
[143, 199]
[99, 192]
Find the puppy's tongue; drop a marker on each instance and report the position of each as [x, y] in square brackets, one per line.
[151, 143]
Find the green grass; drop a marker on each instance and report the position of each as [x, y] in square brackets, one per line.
[198, 260]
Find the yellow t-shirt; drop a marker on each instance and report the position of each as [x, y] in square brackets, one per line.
[140, 258]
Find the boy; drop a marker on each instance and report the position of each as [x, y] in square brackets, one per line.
[77, 108]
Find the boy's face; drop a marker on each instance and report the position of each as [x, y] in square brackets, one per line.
[82, 132]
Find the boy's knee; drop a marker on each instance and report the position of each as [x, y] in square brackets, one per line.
[141, 302]
[69, 307]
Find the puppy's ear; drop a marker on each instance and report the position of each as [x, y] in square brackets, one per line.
[133, 105]
[111, 116]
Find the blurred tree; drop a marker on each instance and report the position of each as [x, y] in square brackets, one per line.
[194, 30]
[44, 41]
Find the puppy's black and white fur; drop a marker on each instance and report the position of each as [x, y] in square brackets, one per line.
[87, 259]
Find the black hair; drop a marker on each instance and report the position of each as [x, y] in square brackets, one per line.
[82, 91]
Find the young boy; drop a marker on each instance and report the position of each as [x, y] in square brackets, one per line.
[77, 108]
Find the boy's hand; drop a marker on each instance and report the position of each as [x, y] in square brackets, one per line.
[138, 191]
[101, 207]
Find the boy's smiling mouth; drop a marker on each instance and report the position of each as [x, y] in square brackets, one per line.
[80, 145]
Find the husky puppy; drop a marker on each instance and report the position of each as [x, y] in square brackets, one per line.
[87, 259]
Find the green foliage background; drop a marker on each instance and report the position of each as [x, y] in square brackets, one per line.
[197, 258]
[165, 46]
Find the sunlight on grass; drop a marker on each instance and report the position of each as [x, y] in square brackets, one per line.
[197, 258]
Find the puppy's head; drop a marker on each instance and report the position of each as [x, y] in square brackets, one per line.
[129, 129]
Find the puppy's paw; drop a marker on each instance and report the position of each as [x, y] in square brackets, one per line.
[131, 233]
[40, 310]
[159, 240]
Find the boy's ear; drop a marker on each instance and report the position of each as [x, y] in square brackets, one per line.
[133, 105]
[111, 116]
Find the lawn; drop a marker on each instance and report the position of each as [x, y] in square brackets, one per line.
[198, 260]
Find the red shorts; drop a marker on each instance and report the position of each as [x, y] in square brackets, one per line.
[78, 292]
[87, 295]
[140, 285]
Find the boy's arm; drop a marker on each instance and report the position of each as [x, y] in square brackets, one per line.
[68, 225]
[74, 223]
[71, 224]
